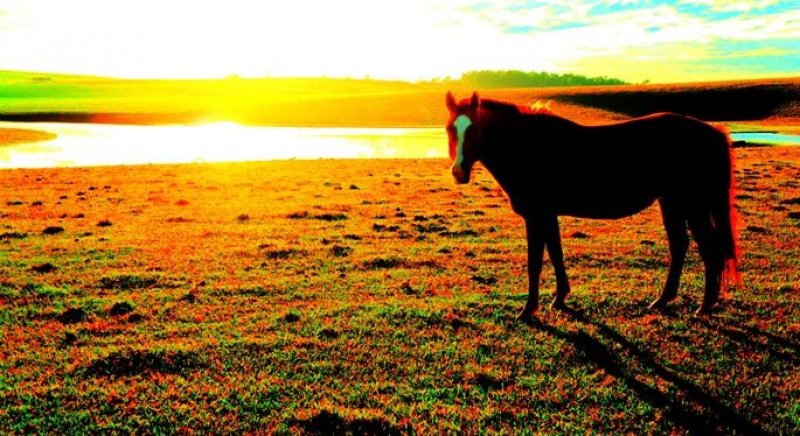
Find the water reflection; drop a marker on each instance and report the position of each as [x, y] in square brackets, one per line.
[97, 144]
[767, 138]
[103, 144]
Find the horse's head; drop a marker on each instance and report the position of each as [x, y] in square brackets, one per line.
[462, 134]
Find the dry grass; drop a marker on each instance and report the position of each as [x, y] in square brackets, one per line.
[382, 309]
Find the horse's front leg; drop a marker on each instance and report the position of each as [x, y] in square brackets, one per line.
[536, 238]
[553, 242]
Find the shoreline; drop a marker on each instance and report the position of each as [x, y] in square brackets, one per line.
[15, 136]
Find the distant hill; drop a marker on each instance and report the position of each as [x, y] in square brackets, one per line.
[363, 102]
[530, 79]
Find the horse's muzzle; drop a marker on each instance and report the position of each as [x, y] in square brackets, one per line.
[460, 175]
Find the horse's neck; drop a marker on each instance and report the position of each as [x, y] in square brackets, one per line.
[500, 151]
[515, 146]
[507, 137]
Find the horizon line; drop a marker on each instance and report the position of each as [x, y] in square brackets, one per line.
[368, 77]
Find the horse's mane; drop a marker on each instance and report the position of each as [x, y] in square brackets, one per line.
[506, 108]
[534, 111]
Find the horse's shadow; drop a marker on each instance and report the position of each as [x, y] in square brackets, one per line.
[709, 414]
[750, 337]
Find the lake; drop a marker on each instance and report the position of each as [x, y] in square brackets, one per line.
[767, 138]
[80, 145]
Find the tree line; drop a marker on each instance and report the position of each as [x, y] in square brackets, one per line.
[530, 79]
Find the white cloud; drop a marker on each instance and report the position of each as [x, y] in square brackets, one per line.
[734, 5]
[408, 39]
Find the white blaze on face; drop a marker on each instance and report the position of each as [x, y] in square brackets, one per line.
[461, 123]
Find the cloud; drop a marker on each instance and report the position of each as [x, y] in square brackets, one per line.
[408, 39]
[734, 5]
[664, 39]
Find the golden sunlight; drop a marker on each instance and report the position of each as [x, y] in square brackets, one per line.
[78, 145]
[205, 39]
[412, 39]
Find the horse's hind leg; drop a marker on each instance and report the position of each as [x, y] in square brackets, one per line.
[710, 246]
[674, 217]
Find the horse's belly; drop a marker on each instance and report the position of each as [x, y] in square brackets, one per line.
[608, 210]
[602, 205]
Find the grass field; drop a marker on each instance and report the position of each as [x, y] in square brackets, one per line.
[351, 102]
[375, 297]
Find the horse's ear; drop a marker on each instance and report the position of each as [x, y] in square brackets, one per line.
[475, 100]
[451, 101]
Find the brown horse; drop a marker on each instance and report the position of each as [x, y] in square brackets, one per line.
[551, 166]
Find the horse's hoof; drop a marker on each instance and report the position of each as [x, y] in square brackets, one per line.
[657, 305]
[559, 305]
[526, 316]
[704, 310]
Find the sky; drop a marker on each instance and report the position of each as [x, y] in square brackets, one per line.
[657, 41]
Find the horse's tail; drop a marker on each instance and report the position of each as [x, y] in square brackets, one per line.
[724, 216]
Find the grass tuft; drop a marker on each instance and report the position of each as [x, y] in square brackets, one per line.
[52, 230]
[384, 263]
[466, 233]
[579, 235]
[120, 308]
[384, 228]
[13, 235]
[341, 250]
[69, 338]
[331, 217]
[72, 315]
[44, 268]
[284, 253]
[330, 423]
[292, 316]
[328, 333]
[144, 362]
[488, 381]
[179, 219]
[190, 297]
[429, 228]
[126, 282]
[484, 279]
[298, 215]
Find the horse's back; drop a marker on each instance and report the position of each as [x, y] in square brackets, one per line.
[616, 170]
[674, 132]
[657, 150]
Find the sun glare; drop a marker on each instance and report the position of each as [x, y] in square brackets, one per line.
[210, 39]
[413, 39]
